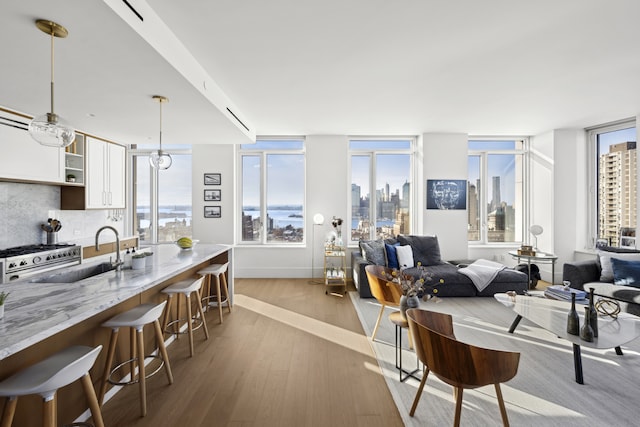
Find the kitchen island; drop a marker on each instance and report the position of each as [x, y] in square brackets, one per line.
[42, 318]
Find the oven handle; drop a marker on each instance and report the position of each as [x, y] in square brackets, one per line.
[12, 277]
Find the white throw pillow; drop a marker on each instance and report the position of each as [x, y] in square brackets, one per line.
[606, 274]
[405, 256]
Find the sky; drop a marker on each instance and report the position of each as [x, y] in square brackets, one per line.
[175, 182]
[609, 138]
[502, 165]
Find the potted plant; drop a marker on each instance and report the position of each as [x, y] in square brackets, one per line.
[3, 297]
[71, 178]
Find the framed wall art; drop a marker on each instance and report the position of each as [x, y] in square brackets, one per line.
[213, 212]
[446, 194]
[212, 195]
[212, 179]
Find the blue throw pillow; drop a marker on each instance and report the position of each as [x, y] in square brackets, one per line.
[392, 256]
[626, 272]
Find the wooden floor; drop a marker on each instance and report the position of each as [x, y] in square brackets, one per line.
[288, 355]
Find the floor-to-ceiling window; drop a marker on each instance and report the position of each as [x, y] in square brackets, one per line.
[496, 190]
[272, 183]
[162, 198]
[616, 176]
[380, 198]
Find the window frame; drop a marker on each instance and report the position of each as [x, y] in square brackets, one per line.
[141, 150]
[253, 150]
[484, 179]
[591, 134]
[371, 153]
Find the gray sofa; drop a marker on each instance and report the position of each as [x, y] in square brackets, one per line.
[427, 251]
[587, 274]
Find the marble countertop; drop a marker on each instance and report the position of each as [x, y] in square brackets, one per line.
[36, 311]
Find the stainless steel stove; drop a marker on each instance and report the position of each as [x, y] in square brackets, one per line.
[25, 261]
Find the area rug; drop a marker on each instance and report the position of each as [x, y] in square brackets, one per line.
[543, 393]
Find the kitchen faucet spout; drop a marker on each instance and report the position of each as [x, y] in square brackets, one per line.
[118, 264]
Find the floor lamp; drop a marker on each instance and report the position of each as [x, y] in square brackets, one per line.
[318, 219]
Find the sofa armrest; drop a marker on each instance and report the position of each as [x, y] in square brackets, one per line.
[358, 263]
[581, 272]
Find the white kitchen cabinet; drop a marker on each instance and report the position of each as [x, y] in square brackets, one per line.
[24, 159]
[104, 175]
[104, 178]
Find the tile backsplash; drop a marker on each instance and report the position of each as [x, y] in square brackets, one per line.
[24, 207]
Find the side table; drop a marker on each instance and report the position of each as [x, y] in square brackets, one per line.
[539, 258]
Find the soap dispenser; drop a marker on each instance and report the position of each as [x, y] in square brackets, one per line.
[127, 259]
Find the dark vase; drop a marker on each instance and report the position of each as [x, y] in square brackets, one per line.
[573, 320]
[407, 303]
[593, 313]
[586, 333]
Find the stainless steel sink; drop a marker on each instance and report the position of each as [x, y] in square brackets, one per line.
[76, 274]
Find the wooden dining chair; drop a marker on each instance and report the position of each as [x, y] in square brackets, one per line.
[456, 363]
[387, 293]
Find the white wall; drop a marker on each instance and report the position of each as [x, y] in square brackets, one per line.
[326, 193]
[541, 179]
[569, 206]
[558, 185]
[445, 156]
[214, 158]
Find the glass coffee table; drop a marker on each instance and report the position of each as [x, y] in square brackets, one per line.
[551, 315]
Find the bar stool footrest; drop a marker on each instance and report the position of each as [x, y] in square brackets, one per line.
[195, 320]
[207, 301]
[136, 380]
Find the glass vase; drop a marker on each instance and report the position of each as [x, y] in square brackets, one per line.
[586, 333]
[407, 302]
[573, 320]
[593, 314]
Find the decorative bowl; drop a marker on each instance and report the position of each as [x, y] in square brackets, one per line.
[194, 242]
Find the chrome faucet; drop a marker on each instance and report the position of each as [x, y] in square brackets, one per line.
[118, 264]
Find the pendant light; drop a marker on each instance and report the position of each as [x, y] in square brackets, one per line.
[49, 129]
[159, 159]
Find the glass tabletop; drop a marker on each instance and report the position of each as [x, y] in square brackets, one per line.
[538, 255]
[552, 315]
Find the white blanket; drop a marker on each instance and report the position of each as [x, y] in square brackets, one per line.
[482, 272]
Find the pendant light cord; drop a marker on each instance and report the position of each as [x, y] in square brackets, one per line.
[52, 62]
[160, 150]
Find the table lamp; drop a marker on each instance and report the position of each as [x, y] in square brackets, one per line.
[536, 230]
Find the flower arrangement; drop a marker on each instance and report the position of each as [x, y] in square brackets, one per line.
[421, 285]
[334, 238]
[336, 222]
[3, 297]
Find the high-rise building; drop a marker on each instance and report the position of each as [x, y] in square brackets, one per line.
[617, 174]
[355, 200]
[495, 194]
[406, 195]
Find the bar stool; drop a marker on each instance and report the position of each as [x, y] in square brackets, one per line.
[136, 319]
[402, 323]
[216, 270]
[46, 377]
[186, 288]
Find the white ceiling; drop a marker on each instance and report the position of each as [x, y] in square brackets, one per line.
[353, 67]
